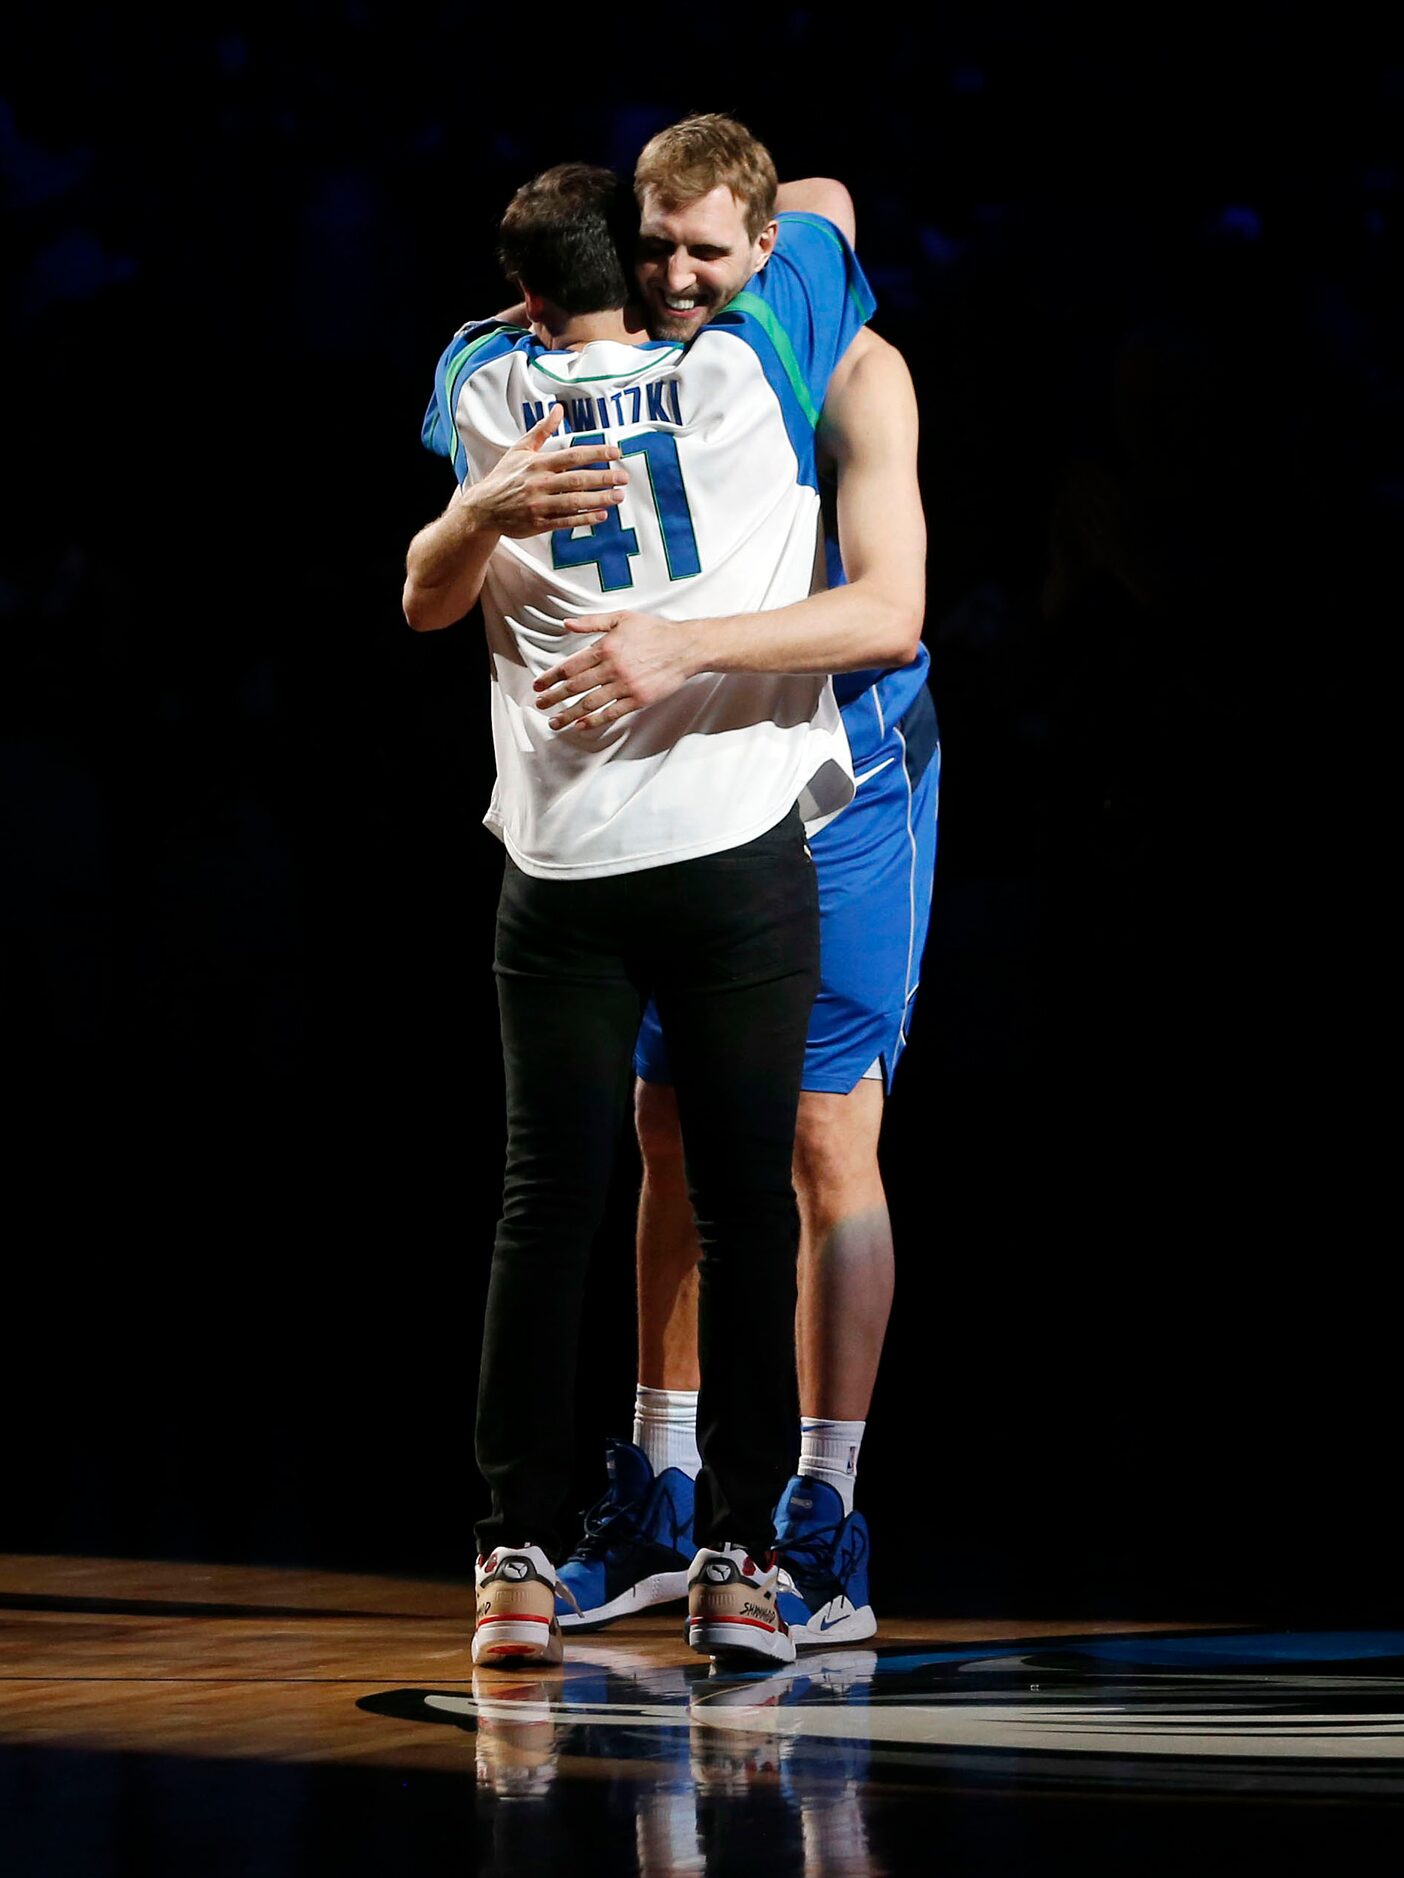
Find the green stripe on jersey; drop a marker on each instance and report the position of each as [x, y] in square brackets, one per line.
[601, 378]
[454, 373]
[763, 314]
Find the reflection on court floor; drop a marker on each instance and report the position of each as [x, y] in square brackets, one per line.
[1293, 1716]
[167, 1719]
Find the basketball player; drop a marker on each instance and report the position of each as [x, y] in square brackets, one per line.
[660, 854]
[875, 866]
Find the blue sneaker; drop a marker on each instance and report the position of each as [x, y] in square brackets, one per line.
[637, 1545]
[826, 1558]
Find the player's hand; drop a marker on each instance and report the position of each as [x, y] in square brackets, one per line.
[531, 490]
[637, 660]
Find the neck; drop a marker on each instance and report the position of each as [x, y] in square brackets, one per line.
[567, 332]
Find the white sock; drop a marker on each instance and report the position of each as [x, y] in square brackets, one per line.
[665, 1427]
[829, 1452]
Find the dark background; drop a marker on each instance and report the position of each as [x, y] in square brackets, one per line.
[1143, 1355]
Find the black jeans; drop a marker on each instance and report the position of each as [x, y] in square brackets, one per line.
[728, 945]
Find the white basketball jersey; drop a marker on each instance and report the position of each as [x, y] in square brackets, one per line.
[721, 516]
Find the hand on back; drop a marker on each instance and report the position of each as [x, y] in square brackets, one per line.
[532, 490]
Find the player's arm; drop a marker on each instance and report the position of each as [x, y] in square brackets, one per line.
[445, 565]
[869, 426]
[528, 491]
[819, 195]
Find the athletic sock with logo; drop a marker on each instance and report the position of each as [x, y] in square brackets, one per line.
[829, 1452]
[665, 1427]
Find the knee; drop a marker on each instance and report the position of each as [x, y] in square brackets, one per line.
[656, 1124]
[836, 1165]
[819, 1151]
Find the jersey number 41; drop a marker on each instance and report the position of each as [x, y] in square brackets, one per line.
[610, 545]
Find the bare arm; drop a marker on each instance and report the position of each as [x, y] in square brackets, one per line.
[819, 195]
[870, 427]
[529, 491]
[445, 565]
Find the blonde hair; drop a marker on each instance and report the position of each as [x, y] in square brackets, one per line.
[702, 153]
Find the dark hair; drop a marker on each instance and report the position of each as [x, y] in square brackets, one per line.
[567, 234]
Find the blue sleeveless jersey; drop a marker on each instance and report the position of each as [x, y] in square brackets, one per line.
[872, 702]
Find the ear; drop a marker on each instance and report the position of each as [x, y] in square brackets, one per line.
[534, 303]
[765, 241]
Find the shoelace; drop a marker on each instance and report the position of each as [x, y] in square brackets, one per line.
[810, 1559]
[812, 1547]
[602, 1517]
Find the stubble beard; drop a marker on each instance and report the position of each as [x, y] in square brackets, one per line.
[665, 325]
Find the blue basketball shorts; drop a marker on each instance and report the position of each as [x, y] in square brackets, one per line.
[876, 863]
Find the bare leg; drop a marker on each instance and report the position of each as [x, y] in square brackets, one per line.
[667, 1248]
[845, 1267]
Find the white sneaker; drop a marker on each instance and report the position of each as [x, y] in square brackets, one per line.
[516, 1615]
[732, 1607]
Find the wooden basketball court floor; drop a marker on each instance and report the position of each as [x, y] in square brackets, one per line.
[162, 1718]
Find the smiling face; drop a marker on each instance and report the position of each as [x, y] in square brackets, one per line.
[692, 259]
